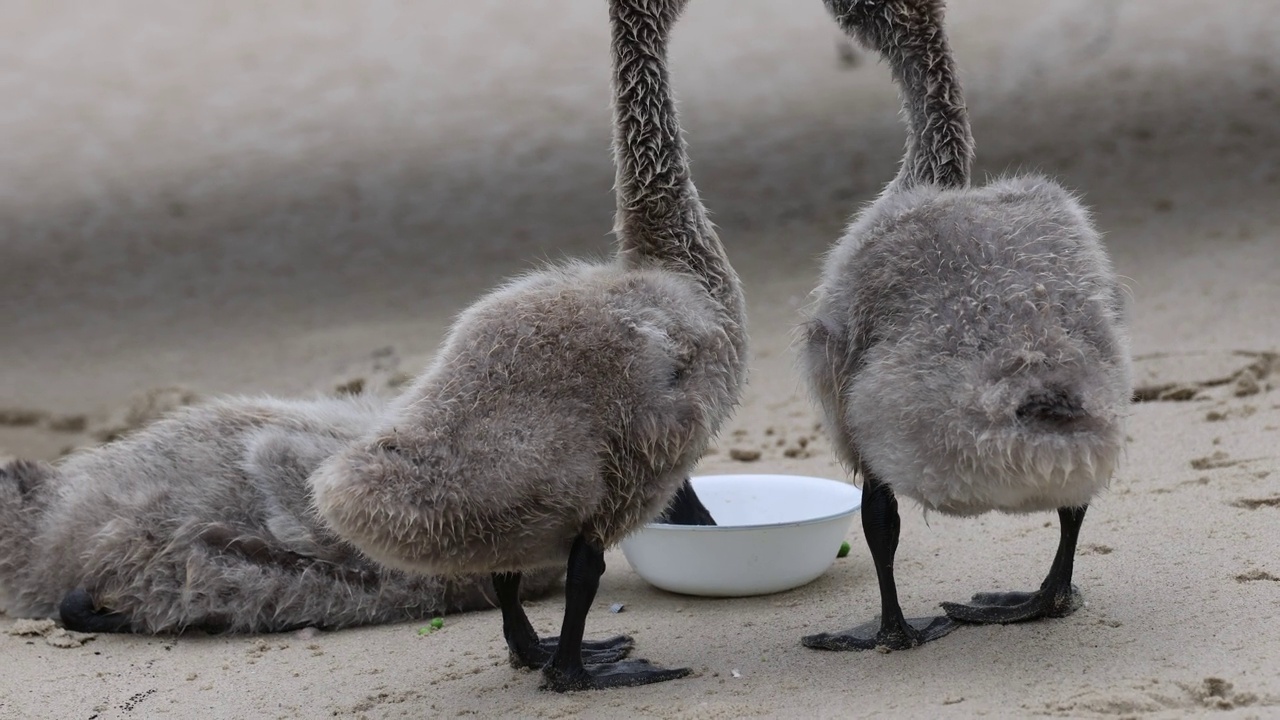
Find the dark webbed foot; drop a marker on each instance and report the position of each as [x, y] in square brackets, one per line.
[527, 650]
[1012, 607]
[79, 614]
[567, 670]
[609, 650]
[911, 632]
[881, 526]
[608, 675]
[1056, 598]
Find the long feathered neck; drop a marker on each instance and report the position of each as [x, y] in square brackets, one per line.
[910, 36]
[660, 219]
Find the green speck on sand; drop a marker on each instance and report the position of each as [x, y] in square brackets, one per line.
[844, 549]
[436, 624]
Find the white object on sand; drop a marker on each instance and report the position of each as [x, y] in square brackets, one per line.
[773, 533]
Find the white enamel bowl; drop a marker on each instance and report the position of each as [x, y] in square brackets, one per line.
[773, 533]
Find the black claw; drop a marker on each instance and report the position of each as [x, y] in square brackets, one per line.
[608, 675]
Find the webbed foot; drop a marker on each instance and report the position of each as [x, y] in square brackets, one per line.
[892, 631]
[593, 651]
[608, 675]
[875, 635]
[1056, 598]
[79, 615]
[570, 667]
[1012, 607]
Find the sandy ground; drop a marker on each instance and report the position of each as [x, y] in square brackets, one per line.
[293, 195]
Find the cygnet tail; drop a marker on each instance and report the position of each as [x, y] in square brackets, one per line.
[910, 35]
[660, 218]
[22, 485]
[1053, 407]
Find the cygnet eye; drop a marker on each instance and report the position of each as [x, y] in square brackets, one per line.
[387, 444]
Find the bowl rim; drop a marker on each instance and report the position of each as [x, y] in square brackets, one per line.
[668, 527]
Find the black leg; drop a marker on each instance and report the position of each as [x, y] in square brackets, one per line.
[78, 614]
[526, 649]
[880, 524]
[686, 508]
[1057, 597]
[566, 670]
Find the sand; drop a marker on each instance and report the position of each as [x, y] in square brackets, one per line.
[291, 196]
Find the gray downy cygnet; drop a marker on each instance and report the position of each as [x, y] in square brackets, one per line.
[567, 407]
[204, 520]
[968, 345]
